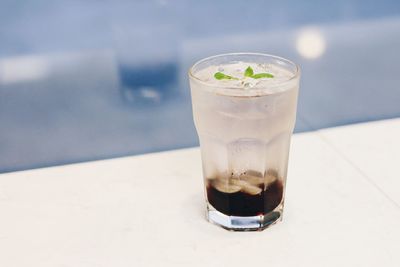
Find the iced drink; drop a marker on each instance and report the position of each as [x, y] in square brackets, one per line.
[244, 109]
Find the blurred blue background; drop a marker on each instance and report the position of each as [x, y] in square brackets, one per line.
[85, 80]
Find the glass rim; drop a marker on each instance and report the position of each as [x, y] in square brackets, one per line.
[293, 77]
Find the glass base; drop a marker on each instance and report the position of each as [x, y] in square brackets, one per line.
[251, 223]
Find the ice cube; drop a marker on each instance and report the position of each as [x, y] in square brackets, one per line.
[225, 186]
[252, 179]
[249, 83]
[246, 187]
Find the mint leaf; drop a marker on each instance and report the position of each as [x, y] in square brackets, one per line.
[262, 75]
[248, 72]
[221, 76]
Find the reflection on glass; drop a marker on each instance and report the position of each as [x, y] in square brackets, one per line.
[310, 43]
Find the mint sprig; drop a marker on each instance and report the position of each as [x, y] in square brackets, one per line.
[262, 75]
[222, 76]
[247, 73]
[250, 73]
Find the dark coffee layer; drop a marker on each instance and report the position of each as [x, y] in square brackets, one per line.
[244, 204]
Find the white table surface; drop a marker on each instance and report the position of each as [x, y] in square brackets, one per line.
[342, 209]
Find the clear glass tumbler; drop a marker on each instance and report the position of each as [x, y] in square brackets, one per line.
[244, 124]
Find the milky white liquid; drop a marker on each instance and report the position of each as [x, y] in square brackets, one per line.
[244, 124]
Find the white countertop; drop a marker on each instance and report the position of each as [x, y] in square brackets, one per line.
[342, 209]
